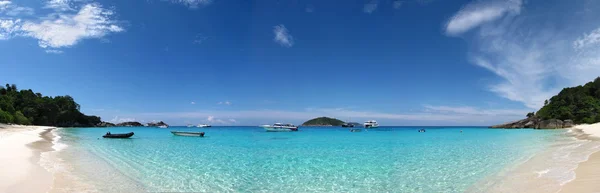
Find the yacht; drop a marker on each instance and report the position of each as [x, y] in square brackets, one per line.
[279, 127]
[371, 124]
[203, 125]
[190, 125]
[163, 126]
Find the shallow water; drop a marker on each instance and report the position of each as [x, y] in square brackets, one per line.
[247, 159]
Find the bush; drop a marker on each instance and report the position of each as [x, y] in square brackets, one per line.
[5, 117]
[20, 119]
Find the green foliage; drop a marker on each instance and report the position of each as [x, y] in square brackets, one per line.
[531, 114]
[26, 107]
[324, 121]
[20, 119]
[5, 117]
[580, 104]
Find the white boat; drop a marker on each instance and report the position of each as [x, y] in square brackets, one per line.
[190, 125]
[163, 126]
[371, 124]
[191, 134]
[203, 125]
[279, 127]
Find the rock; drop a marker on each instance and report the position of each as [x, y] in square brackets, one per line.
[130, 124]
[105, 124]
[568, 123]
[550, 124]
[531, 122]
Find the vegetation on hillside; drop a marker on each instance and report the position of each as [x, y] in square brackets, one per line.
[28, 108]
[580, 104]
[323, 121]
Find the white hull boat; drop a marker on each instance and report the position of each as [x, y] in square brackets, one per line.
[371, 124]
[278, 127]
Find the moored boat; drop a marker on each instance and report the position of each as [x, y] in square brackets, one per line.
[163, 126]
[203, 125]
[279, 127]
[371, 124]
[118, 135]
[186, 133]
[347, 125]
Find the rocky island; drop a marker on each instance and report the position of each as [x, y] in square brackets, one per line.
[158, 124]
[130, 124]
[323, 121]
[573, 105]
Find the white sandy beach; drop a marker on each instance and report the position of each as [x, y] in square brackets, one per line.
[587, 173]
[20, 149]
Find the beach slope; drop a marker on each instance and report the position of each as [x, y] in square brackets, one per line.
[20, 150]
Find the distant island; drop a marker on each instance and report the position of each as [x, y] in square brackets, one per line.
[152, 124]
[323, 121]
[573, 105]
[129, 124]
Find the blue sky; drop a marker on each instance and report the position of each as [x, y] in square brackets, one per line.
[411, 62]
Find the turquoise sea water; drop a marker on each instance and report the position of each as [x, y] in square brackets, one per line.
[247, 159]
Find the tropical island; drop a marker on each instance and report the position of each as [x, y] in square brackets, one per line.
[25, 107]
[323, 121]
[573, 105]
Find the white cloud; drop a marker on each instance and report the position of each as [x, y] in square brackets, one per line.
[371, 6]
[4, 4]
[587, 40]
[120, 120]
[398, 4]
[193, 103]
[282, 36]
[193, 3]
[212, 119]
[199, 39]
[60, 5]
[480, 12]
[20, 11]
[429, 114]
[65, 30]
[224, 103]
[10, 9]
[54, 51]
[533, 57]
[8, 28]
[467, 110]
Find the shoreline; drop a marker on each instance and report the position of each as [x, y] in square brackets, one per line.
[587, 173]
[21, 148]
[570, 162]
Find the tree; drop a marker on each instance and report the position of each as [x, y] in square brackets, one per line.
[531, 114]
[580, 104]
[5, 117]
[28, 107]
[20, 119]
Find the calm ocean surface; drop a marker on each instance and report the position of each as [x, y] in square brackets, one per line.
[248, 159]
